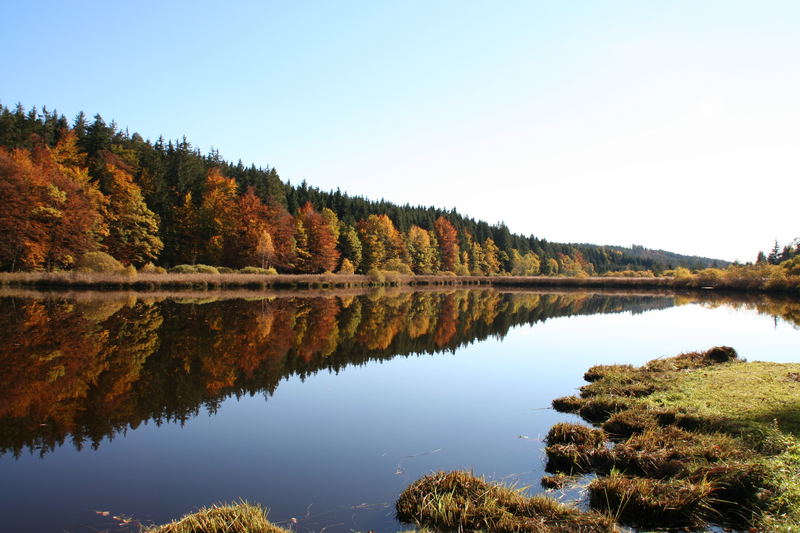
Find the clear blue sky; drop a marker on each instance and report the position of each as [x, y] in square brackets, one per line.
[671, 124]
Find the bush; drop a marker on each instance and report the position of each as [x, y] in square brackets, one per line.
[446, 273]
[376, 276]
[462, 270]
[183, 269]
[206, 269]
[682, 272]
[346, 267]
[396, 265]
[258, 270]
[99, 262]
[226, 270]
[792, 266]
[150, 268]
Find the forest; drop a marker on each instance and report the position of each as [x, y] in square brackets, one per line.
[74, 192]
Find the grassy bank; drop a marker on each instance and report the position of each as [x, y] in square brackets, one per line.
[696, 438]
[212, 281]
[678, 443]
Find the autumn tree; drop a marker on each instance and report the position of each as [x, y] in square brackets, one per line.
[491, 257]
[186, 240]
[282, 233]
[316, 246]
[420, 251]
[380, 242]
[250, 242]
[350, 245]
[524, 265]
[52, 212]
[448, 243]
[132, 227]
[218, 215]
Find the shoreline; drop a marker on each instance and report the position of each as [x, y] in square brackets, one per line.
[147, 282]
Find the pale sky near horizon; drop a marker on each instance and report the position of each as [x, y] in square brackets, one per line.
[670, 124]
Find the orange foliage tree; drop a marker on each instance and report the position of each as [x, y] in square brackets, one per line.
[316, 243]
[448, 243]
[51, 214]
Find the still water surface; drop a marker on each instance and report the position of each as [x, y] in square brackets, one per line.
[320, 408]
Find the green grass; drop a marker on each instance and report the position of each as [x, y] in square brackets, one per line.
[240, 517]
[700, 437]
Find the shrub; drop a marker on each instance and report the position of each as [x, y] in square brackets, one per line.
[713, 276]
[376, 276]
[462, 270]
[206, 269]
[792, 266]
[346, 267]
[183, 269]
[226, 270]
[99, 262]
[150, 268]
[130, 271]
[252, 270]
[682, 273]
[258, 270]
[446, 273]
[396, 265]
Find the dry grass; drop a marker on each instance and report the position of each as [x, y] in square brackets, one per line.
[241, 517]
[566, 433]
[459, 501]
[647, 502]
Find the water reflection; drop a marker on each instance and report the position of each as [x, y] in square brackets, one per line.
[83, 369]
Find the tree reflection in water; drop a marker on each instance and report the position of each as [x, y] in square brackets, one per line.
[87, 368]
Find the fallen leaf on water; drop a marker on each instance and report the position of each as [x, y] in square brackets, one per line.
[103, 513]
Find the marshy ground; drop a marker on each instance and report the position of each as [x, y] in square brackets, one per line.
[683, 441]
[680, 442]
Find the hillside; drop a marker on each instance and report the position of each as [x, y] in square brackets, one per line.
[73, 188]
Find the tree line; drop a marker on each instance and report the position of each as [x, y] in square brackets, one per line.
[74, 188]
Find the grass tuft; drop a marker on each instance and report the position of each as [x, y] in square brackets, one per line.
[240, 517]
[566, 433]
[460, 501]
[647, 502]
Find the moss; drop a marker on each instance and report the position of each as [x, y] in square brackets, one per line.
[235, 518]
[459, 501]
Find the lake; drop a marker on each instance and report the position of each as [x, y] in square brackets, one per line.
[124, 408]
